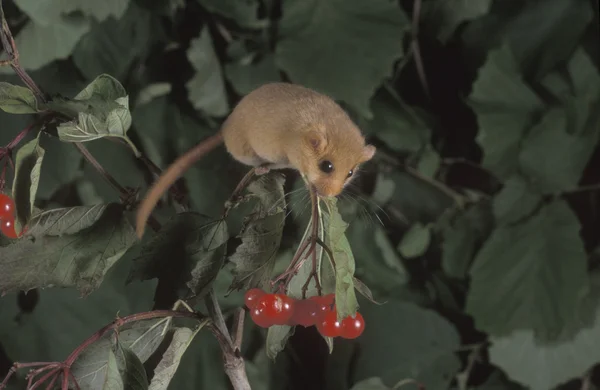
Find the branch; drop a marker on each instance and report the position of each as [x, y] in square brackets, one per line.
[125, 194]
[415, 47]
[8, 43]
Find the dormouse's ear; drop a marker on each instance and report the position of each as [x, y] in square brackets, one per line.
[368, 153]
[315, 141]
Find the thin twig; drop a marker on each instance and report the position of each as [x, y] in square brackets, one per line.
[214, 310]
[125, 194]
[237, 329]
[415, 47]
[8, 43]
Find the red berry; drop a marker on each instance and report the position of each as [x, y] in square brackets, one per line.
[352, 327]
[7, 207]
[306, 313]
[259, 318]
[251, 297]
[329, 326]
[325, 304]
[278, 308]
[7, 227]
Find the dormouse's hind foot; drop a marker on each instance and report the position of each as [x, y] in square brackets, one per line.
[262, 170]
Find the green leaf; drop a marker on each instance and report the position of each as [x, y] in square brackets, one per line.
[141, 339]
[211, 253]
[462, 236]
[110, 375]
[166, 368]
[442, 18]
[254, 258]
[335, 238]
[571, 148]
[429, 162]
[534, 31]
[374, 383]
[69, 247]
[25, 183]
[27, 339]
[516, 201]
[243, 12]
[277, 337]
[402, 340]
[539, 290]
[207, 88]
[15, 99]
[112, 45]
[131, 368]
[246, 77]
[345, 31]
[399, 125]
[51, 11]
[41, 44]
[505, 107]
[415, 241]
[198, 247]
[101, 110]
[540, 366]
[62, 165]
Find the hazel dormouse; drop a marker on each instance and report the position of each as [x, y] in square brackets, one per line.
[278, 126]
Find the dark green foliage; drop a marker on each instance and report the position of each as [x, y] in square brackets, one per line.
[469, 244]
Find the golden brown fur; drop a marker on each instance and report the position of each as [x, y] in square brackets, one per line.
[289, 126]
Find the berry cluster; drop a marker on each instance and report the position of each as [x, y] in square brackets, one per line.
[278, 309]
[7, 216]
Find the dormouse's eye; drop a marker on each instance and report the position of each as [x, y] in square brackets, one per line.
[326, 166]
[350, 173]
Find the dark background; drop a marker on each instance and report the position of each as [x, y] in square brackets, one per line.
[426, 101]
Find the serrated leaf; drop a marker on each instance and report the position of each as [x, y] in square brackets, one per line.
[277, 337]
[41, 44]
[462, 236]
[131, 369]
[429, 162]
[74, 259]
[345, 30]
[384, 190]
[101, 110]
[247, 77]
[505, 107]
[197, 244]
[113, 44]
[335, 238]
[570, 134]
[47, 12]
[407, 341]
[15, 99]
[374, 383]
[544, 268]
[243, 12]
[261, 234]
[207, 88]
[415, 241]
[397, 123]
[94, 366]
[25, 183]
[166, 368]
[534, 30]
[210, 253]
[62, 165]
[540, 366]
[112, 378]
[377, 260]
[443, 17]
[515, 201]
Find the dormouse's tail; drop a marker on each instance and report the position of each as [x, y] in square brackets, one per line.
[170, 176]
